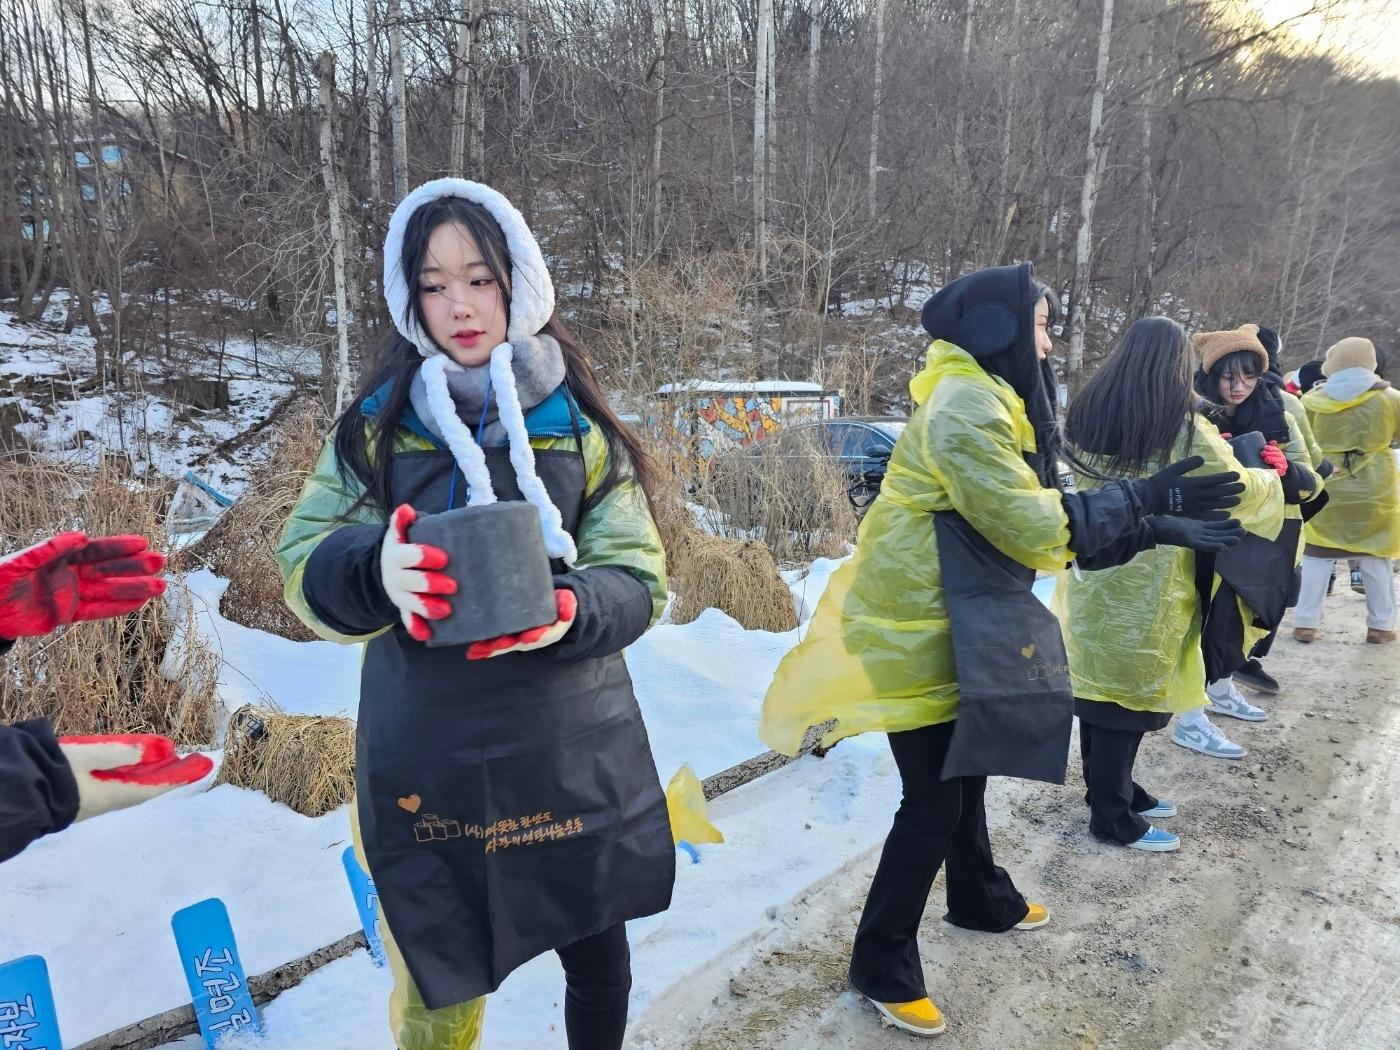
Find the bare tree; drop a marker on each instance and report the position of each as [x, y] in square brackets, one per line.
[325, 70]
[398, 100]
[1094, 155]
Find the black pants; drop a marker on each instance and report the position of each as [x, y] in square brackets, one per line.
[1114, 798]
[938, 822]
[597, 980]
[1263, 645]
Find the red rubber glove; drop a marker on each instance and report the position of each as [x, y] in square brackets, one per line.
[1274, 457]
[405, 569]
[535, 637]
[71, 577]
[114, 772]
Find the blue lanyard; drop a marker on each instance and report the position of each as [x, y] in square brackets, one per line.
[480, 429]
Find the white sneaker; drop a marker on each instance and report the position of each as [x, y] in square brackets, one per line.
[1230, 701]
[1205, 738]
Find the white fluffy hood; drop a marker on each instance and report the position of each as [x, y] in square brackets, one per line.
[531, 306]
[531, 288]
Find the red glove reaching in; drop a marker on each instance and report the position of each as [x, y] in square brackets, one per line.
[535, 637]
[1274, 457]
[114, 772]
[71, 577]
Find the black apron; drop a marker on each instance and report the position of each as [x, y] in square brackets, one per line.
[1262, 574]
[1015, 701]
[507, 806]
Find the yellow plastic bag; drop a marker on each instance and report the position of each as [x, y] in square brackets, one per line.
[685, 801]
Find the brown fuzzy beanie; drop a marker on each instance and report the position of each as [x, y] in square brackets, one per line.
[1352, 352]
[1212, 346]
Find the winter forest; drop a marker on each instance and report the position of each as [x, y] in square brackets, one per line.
[752, 189]
[744, 206]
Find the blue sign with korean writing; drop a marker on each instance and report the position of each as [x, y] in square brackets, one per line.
[28, 1020]
[218, 985]
[366, 903]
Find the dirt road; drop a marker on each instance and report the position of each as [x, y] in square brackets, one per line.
[1276, 925]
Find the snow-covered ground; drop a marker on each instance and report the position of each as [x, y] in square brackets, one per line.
[47, 387]
[96, 900]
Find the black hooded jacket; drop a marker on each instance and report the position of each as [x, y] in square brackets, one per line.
[38, 794]
[991, 315]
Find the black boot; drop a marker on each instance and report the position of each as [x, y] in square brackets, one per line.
[1253, 675]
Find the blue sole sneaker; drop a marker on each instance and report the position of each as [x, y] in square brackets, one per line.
[1156, 841]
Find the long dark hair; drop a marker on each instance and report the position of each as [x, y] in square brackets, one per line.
[364, 458]
[1130, 413]
[1262, 410]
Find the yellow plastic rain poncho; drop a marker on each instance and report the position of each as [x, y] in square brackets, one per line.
[878, 654]
[1362, 515]
[1298, 416]
[1133, 632]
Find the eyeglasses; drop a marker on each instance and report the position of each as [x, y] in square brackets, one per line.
[1243, 382]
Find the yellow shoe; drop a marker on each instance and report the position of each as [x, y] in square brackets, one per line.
[1035, 916]
[920, 1017]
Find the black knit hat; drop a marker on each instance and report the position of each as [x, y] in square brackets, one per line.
[1273, 346]
[1309, 375]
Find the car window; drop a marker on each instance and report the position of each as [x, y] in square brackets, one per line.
[891, 431]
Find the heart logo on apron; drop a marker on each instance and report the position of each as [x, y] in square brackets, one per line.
[1028, 651]
[410, 803]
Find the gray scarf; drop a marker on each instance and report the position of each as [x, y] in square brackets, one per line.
[539, 369]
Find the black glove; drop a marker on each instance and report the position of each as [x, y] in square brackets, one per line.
[1170, 491]
[1207, 536]
[1325, 469]
[1295, 481]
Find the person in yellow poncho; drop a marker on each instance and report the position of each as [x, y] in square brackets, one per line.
[1242, 395]
[1355, 417]
[930, 632]
[1133, 632]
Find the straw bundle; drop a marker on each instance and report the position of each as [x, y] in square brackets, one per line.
[306, 762]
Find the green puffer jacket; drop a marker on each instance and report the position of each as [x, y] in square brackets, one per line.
[618, 531]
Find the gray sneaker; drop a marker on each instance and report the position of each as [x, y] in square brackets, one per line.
[1232, 702]
[1206, 739]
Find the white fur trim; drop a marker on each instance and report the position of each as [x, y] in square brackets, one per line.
[531, 288]
[557, 541]
[457, 434]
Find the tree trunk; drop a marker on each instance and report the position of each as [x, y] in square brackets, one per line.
[1094, 154]
[478, 96]
[462, 92]
[522, 69]
[398, 101]
[325, 69]
[960, 124]
[760, 136]
[376, 189]
[259, 92]
[874, 166]
[106, 264]
[814, 49]
[658, 28]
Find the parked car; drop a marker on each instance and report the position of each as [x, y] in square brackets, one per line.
[861, 444]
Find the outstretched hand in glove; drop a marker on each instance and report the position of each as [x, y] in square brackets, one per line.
[72, 577]
[1175, 491]
[1207, 536]
[114, 772]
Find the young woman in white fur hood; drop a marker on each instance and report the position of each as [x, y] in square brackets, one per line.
[508, 803]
